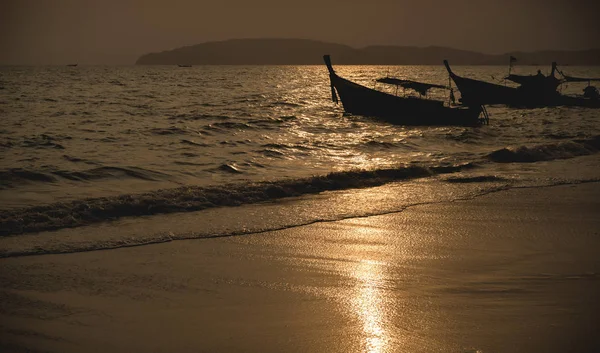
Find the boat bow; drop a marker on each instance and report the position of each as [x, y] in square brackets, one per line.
[332, 76]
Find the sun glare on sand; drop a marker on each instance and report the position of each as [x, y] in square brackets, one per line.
[368, 301]
[369, 307]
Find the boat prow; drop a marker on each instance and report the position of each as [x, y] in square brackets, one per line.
[475, 92]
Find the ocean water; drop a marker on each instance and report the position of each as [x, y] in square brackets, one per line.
[89, 146]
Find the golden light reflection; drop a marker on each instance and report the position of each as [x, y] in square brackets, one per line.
[368, 305]
[368, 302]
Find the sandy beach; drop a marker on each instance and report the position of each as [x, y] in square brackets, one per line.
[511, 271]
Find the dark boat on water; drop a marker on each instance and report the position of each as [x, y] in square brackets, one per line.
[361, 100]
[184, 65]
[534, 91]
[590, 91]
[71, 65]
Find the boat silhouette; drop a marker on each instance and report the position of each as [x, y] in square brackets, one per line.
[533, 91]
[360, 100]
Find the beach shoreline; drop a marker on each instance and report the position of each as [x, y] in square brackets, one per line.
[511, 271]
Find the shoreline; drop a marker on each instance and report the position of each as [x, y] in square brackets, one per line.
[456, 276]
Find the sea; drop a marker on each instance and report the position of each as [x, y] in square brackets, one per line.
[100, 157]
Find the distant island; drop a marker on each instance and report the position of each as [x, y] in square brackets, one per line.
[310, 52]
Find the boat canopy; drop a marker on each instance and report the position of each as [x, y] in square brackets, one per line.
[526, 79]
[420, 87]
[579, 79]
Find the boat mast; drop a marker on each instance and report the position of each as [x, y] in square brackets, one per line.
[511, 60]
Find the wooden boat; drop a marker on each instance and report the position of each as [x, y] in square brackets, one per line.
[534, 91]
[537, 87]
[361, 100]
[481, 92]
[72, 65]
[184, 65]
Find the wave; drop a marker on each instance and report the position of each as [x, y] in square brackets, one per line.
[380, 144]
[228, 125]
[229, 169]
[77, 159]
[169, 131]
[39, 141]
[283, 104]
[190, 163]
[284, 118]
[287, 146]
[475, 179]
[194, 198]
[111, 172]
[17, 176]
[194, 117]
[280, 150]
[271, 153]
[469, 135]
[192, 143]
[270, 123]
[546, 152]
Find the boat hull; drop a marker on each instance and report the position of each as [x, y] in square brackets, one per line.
[570, 101]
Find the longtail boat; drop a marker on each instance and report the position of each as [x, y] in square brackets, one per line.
[360, 100]
[481, 92]
[590, 91]
[534, 91]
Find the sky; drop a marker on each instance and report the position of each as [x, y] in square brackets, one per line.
[119, 31]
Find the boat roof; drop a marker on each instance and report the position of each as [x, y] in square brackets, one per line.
[525, 79]
[420, 87]
[579, 79]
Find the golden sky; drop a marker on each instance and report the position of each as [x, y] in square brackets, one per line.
[119, 31]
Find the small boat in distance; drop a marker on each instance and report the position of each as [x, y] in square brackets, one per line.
[361, 100]
[72, 65]
[184, 65]
[534, 91]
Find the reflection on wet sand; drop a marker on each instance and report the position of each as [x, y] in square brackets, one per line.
[368, 305]
[367, 302]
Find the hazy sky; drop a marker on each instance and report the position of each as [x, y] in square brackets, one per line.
[118, 31]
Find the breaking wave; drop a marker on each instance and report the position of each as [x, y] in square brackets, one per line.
[546, 152]
[194, 198]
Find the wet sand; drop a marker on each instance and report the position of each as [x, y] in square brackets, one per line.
[512, 271]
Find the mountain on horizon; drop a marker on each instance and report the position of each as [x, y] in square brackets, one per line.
[274, 51]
